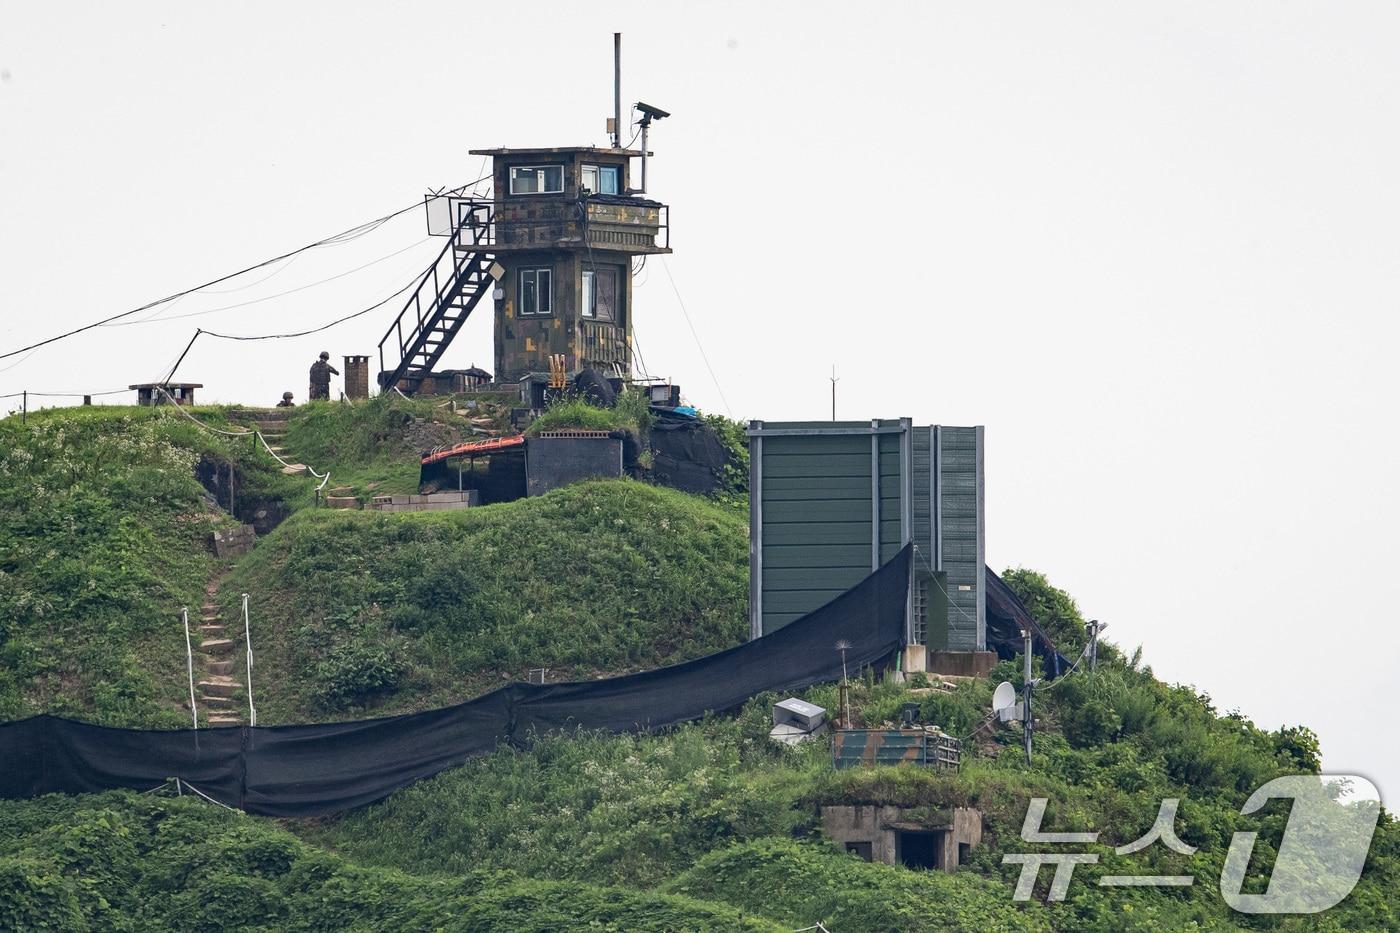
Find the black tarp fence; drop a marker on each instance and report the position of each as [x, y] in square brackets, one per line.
[308, 770]
[1007, 617]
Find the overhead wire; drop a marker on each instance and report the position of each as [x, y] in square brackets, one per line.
[701, 347]
[290, 291]
[327, 326]
[342, 237]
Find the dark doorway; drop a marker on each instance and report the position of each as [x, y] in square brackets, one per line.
[864, 849]
[918, 850]
[964, 852]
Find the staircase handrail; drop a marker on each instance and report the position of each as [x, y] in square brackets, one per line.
[468, 221]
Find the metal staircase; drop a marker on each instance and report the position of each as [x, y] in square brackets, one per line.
[454, 284]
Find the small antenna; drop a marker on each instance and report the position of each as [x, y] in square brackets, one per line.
[617, 91]
[834, 380]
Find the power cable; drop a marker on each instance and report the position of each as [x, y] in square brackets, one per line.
[290, 291]
[327, 326]
[703, 355]
[342, 237]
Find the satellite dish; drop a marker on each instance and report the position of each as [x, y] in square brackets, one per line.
[1004, 697]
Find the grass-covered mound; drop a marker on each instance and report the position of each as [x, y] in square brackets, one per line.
[102, 531]
[631, 413]
[127, 862]
[783, 879]
[375, 446]
[359, 611]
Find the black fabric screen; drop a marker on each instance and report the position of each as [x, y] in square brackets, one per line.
[296, 771]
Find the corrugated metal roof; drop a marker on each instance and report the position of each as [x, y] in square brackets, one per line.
[472, 448]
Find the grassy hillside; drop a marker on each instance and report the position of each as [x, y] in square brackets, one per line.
[102, 528]
[374, 446]
[128, 862]
[716, 811]
[707, 826]
[102, 541]
[358, 611]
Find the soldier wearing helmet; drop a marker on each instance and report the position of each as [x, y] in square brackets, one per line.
[321, 372]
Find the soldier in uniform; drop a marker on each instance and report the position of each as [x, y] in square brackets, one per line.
[286, 401]
[321, 372]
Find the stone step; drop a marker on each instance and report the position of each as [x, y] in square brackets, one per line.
[219, 667]
[342, 491]
[212, 618]
[296, 469]
[260, 414]
[217, 701]
[220, 688]
[216, 644]
[208, 608]
[342, 502]
[225, 720]
[279, 451]
[211, 629]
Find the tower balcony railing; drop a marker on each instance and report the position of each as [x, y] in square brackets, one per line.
[628, 224]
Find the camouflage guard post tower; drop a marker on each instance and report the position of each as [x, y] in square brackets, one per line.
[553, 248]
[568, 227]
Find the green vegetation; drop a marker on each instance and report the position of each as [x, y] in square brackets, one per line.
[374, 446]
[102, 530]
[632, 413]
[708, 826]
[783, 879]
[361, 610]
[127, 862]
[716, 811]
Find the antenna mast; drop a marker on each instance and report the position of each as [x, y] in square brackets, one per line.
[617, 91]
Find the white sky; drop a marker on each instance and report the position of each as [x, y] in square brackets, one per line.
[1152, 248]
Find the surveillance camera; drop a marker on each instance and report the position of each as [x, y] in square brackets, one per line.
[654, 113]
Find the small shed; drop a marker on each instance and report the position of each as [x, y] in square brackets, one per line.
[182, 392]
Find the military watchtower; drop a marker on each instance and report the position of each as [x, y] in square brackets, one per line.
[568, 226]
[553, 247]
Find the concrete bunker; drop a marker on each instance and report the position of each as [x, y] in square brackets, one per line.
[938, 840]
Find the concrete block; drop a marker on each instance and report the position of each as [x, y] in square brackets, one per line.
[962, 663]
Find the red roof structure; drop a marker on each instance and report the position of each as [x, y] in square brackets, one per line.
[474, 448]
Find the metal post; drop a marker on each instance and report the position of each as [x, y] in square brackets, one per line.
[1092, 629]
[1027, 720]
[834, 380]
[617, 93]
[248, 642]
[24, 408]
[189, 663]
[646, 123]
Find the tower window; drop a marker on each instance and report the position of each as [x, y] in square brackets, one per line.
[600, 179]
[536, 179]
[536, 291]
[600, 294]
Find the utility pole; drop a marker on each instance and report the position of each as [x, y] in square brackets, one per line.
[1027, 720]
[1092, 629]
[24, 408]
[834, 380]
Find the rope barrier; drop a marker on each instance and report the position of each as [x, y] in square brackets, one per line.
[179, 782]
[323, 477]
